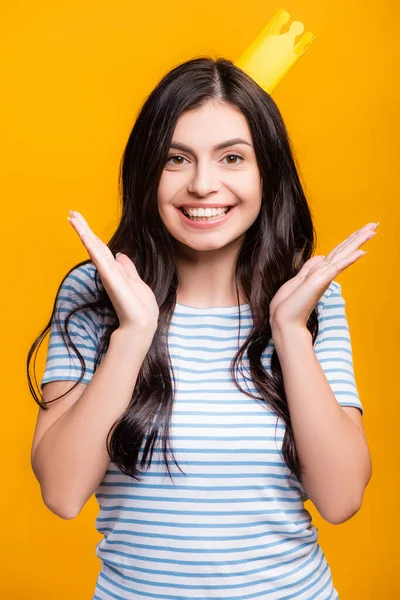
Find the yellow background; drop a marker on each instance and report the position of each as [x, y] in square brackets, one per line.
[74, 75]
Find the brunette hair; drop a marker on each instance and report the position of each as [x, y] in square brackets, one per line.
[275, 247]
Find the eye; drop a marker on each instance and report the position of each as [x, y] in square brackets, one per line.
[172, 156]
[234, 156]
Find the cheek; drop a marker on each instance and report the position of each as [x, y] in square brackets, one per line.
[250, 203]
[163, 198]
[170, 183]
[168, 215]
[167, 193]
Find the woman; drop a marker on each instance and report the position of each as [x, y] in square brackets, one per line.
[200, 483]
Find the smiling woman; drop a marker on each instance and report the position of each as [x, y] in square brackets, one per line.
[179, 420]
[203, 179]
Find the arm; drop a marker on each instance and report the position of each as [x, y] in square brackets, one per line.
[69, 454]
[70, 458]
[331, 447]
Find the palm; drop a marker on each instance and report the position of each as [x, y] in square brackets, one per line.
[296, 298]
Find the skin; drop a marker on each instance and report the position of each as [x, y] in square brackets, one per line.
[294, 301]
[337, 460]
[206, 258]
[205, 263]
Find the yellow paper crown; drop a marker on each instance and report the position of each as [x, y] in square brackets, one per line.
[272, 54]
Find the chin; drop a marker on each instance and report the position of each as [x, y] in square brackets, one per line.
[206, 247]
[213, 243]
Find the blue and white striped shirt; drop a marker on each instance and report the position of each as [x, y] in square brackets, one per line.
[233, 525]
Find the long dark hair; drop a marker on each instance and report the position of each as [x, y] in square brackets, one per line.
[275, 247]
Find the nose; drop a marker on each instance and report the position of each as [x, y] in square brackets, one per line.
[204, 181]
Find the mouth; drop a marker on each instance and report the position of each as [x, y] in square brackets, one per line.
[206, 214]
[203, 222]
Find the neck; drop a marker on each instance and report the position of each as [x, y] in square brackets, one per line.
[207, 278]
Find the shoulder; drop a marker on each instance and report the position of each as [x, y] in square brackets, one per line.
[81, 281]
[82, 285]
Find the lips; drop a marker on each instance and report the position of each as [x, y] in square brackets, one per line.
[206, 224]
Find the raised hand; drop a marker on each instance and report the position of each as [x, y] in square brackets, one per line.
[295, 300]
[132, 299]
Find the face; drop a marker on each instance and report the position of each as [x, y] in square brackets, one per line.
[198, 174]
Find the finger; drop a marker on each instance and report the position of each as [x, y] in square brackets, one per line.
[128, 265]
[82, 226]
[341, 264]
[349, 239]
[355, 243]
[99, 252]
[356, 239]
[92, 249]
[358, 233]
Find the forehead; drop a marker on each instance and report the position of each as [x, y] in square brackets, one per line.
[211, 124]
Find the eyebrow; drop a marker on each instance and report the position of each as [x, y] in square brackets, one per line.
[220, 146]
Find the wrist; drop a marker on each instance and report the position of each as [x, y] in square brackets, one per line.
[130, 337]
[292, 333]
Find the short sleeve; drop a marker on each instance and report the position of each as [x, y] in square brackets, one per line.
[333, 347]
[62, 362]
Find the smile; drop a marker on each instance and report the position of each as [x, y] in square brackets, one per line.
[206, 222]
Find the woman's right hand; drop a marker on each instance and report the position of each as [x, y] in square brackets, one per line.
[132, 299]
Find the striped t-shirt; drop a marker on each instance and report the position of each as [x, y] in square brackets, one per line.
[233, 525]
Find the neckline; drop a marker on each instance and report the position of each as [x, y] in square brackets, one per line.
[226, 310]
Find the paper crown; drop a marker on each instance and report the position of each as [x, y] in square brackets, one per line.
[272, 54]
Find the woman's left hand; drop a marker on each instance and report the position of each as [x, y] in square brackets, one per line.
[296, 299]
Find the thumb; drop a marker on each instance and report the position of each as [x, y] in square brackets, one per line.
[126, 262]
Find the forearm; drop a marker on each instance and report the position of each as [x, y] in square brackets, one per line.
[331, 448]
[71, 458]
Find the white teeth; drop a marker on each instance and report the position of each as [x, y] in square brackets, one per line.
[205, 212]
